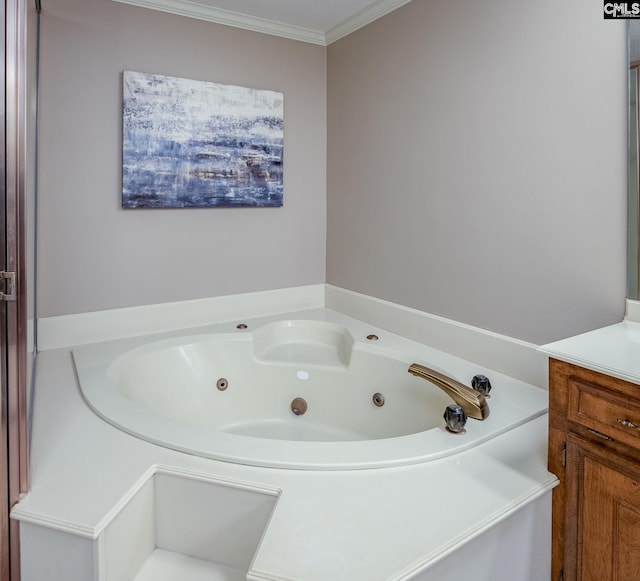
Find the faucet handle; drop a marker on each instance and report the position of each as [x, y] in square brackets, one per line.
[455, 418]
[481, 384]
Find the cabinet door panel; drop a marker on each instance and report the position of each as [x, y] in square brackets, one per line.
[626, 556]
[607, 525]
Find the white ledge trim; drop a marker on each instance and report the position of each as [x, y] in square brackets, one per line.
[513, 357]
[94, 327]
[632, 311]
[194, 9]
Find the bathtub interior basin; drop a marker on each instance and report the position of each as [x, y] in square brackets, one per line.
[246, 385]
[291, 394]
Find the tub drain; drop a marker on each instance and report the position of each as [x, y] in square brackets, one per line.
[299, 406]
[378, 399]
[222, 384]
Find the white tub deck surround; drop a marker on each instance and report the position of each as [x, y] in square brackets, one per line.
[106, 505]
[229, 395]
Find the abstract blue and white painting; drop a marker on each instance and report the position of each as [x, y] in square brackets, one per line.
[197, 144]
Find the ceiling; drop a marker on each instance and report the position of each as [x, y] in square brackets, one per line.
[315, 21]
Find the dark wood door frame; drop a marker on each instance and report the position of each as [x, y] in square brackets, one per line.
[13, 314]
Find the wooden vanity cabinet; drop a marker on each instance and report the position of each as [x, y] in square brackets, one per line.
[594, 449]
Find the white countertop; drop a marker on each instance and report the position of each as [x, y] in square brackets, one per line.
[358, 524]
[614, 350]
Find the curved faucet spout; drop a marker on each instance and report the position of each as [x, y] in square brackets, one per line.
[473, 403]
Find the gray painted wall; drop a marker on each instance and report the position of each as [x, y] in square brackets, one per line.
[92, 254]
[476, 165]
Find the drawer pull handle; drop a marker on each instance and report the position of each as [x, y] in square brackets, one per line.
[599, 434]
[628, 424]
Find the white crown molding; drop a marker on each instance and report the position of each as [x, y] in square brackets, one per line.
[229, 18]
[193, 9]
[362, 18]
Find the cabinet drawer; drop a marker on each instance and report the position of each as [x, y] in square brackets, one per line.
[605, 411]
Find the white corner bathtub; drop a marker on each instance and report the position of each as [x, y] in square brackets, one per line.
[236, 396]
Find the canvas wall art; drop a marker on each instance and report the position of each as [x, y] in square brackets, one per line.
[197, 144]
